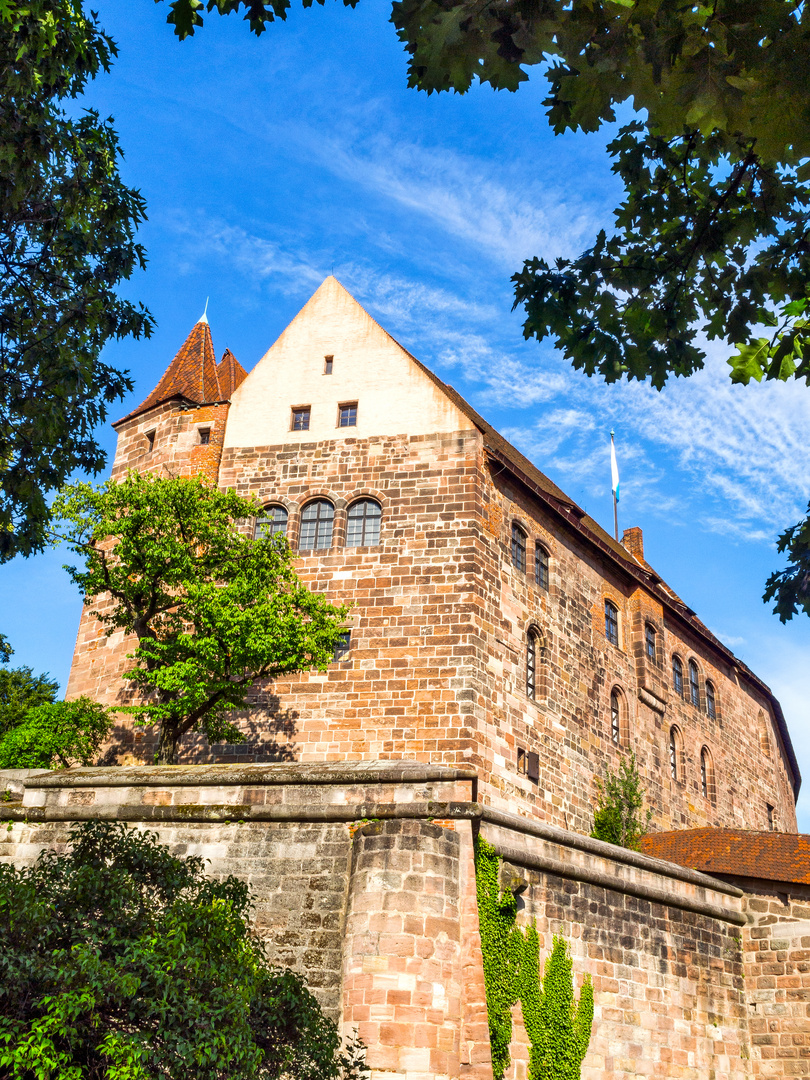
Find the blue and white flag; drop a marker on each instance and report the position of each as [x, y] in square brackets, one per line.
[614, 469]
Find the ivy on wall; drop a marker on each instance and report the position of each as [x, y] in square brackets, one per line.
[558, 1027]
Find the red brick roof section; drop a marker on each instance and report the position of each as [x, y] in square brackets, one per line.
[769, 856]
[230, 373]
[192, 374]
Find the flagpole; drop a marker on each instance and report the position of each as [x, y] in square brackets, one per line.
[615, 487]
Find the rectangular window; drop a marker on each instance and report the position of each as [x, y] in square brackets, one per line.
[518, 548]
[770, 816]
[522, 763]
[205, 436]
[541, 566]
[300, 418]
[343, 646]
[327, 364]
[649, 642]
[611, 623]
[347, 414]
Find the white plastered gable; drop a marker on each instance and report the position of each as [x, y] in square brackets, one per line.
[394, 395]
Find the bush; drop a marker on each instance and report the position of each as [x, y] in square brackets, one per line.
[58, 733]
[620, 796]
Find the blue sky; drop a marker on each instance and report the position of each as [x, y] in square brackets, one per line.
[267, 164]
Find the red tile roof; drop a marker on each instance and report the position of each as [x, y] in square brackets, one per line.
[194, 374]
[772, 856]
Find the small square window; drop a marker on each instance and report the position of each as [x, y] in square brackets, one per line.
[205, 436]
[300, 418]
[327, 364]
[347, 414]
[343, 646]
[150, 441]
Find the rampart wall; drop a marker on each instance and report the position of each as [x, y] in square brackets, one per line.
[365, 882]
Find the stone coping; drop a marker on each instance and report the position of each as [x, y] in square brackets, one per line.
[556, 835]
[316, 772]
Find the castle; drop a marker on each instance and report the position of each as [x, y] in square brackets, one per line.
[494, 624]
[503, 651]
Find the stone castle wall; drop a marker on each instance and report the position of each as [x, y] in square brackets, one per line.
[693, 979]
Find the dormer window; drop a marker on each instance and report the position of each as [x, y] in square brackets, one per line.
[205, 436]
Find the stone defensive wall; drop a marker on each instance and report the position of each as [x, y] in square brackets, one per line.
[364, 881]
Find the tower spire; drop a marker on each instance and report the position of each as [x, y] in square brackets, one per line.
[204, 317]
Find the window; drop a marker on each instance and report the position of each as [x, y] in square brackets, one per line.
[674, 753]
[531, 665]
[317, 520]
[327, 364]
[205, 436]
[615, 718]
[522, 763]
[694, 684]
[272, 520]
[347, 415]
[764, 740]
[611, 623]
[343, 646]
[150, 441]
[704, 780]
[677, 675]
[363, 525]
[769, 808]
[541, 566]
[518, 547]
[300, 418]
[711, 701]
[649, 642]
[707, 787]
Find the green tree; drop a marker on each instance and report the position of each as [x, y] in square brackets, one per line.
[617, 818]
[212, 609]
[67, 226]
[20, 691]
[122, 961]
[711, 235]
[56, 734]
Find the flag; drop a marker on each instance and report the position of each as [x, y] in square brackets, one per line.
[614, 469]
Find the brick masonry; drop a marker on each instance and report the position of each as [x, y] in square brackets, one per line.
[694, 978]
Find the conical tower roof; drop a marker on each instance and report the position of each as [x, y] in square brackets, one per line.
[194, 375]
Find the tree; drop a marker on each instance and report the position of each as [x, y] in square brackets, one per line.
[120, 960]
[619, 798]
[20, 691]
[711, 236]
[212, 609]
[56, 734]
[67, 227]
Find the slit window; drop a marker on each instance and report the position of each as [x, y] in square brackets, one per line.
[531, 665]
[300, 418]
[711, 701]
[317, 521]
[649, 643]
[518, 548]
[611, 622]
[674, 747]
[694, 684]
[363, 523]
[704, 780]
[150, 441]
[328, 361]
[769, 808]
[347, 414]
[343, 646]
[677, 675]
[541, 566]
[271, 522]
[615, 718]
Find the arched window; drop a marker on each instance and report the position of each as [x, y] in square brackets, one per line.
[694, 684]
[707, 788]
[675, 754]
[531, 665]
[677, 675]
[541, 566]
[711, 701]
[611, 622]
[317, 520]
[615, 718]
[649, 642]
[518, 547]
[272, 520]
[363, 524]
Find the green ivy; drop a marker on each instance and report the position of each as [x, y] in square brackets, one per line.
[559, 1029]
